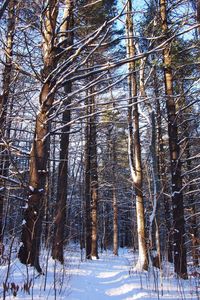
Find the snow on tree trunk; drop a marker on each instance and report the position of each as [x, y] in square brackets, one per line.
[135, 146]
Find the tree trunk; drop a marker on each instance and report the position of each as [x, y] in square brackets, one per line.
[193, 224]
[167, 239]
[135, 152]
[113, 156]
[115, 222]
[7, 74]
[93, 179]
[31, 230]
[62, 185]
[88, 229]
[180, 262]
[155, 216]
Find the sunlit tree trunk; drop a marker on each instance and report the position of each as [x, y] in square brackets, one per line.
[154, 220]
[31, 230]
[62, 185]
[180, 262]
[135, 146]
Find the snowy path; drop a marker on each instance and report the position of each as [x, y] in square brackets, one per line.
[99, 279]
[109, 278]
[106, 278]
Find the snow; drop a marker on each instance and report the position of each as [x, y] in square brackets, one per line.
[31, 188]
[175, 193]
[110, 277]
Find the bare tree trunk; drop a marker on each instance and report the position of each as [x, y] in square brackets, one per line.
[105, 238]
[162, 175]
[114, 194]
[180, 262]
[31, 230]
[154, 222]
[7, 76]
[135, 152]
[115, 221]
[93, 178]
[155, 216]
[91, 181]
[62, 185]
[88, 229]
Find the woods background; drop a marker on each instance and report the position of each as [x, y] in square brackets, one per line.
[99, 129]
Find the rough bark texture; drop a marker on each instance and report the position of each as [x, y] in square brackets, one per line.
[7, 74]
[31, 231]
[136, 162]
[180, 263]
[91, 181]
[60, 218]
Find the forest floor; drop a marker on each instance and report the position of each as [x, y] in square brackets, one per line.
[109, 277]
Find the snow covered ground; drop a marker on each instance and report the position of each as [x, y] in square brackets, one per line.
[109, 277]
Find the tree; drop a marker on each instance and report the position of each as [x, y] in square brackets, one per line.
[180, 263]
[62, 185]
[91, 180]
[135, 146]
[4, 99]
[31, 231]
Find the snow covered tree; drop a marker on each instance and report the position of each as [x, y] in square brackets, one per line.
[134, 144]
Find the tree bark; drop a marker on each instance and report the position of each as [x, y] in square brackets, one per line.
[87, 194]
[167, 240]
[180, 262]
[62, 185]
[193, 224]
[4, 98]
[135, 146]
[93, 178]
[115, 221]
[31, 230]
